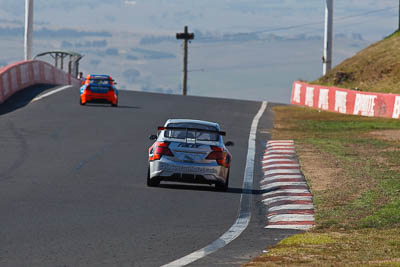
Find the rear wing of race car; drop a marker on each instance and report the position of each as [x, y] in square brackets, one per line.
[161, 128]
[100, 78]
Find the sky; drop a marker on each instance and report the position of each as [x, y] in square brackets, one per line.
[234, 69]
[210, 15]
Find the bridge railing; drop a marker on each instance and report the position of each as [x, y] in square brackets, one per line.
[23, 74]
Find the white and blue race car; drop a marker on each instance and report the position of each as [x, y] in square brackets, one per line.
[189, 151]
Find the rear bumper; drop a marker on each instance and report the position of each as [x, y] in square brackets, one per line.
[110, 96]
[188, 178]
[167, 170]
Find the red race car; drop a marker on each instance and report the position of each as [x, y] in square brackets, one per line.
[99, 89]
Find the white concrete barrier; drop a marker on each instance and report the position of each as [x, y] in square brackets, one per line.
[20, 75]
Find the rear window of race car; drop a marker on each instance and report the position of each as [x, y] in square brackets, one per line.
[192, 134]
[99, 81]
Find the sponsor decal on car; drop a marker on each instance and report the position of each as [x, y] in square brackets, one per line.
[186, 169]
[188, 145]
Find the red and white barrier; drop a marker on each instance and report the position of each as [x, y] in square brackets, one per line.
[20, 75]
[346, 101]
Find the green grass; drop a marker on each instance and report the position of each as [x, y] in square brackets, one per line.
[388, 216]
[395, 34]
[337, 126]
[383, 188]
[334, 147]
[358, 216]
[307, 239]
[358, 212]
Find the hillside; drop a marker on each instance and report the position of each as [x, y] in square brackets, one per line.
[374, 69]
[351, 164]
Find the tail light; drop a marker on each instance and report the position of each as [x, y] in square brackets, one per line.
[159, 149]
[219, 155]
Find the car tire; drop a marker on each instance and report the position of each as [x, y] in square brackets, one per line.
[223, 186]
[114, 105]
[152, 182]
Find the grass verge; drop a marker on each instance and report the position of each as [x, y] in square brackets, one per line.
[352, 166]
[374, 69]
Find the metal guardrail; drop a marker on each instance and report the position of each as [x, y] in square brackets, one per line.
[59, 55]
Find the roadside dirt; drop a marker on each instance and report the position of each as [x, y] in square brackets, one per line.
[388, 135]
[319, 169]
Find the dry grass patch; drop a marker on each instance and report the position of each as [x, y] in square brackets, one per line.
[374, 69]
[387, 135]
[353, 248]
[320, 175]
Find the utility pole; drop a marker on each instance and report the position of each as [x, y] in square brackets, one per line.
[328, 37]
[186, 36]
[28, 29]
[399, 17]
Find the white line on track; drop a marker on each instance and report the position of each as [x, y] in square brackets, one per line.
[50, 93]
[280, 142]
[279, 160]
[283, 176]
[289, 226]
[279, 156]
[269, 180]
[269, 186]
[280, 145]
[274, 151]
[281, 198]
[292, 207]
[287, 191]
[290, 217]
[281, 165]
[279, 171]
[245, 203]
[277, 180]
[280, 148]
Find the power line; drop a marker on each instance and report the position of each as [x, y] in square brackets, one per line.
[290, 27]
[319, 23]
[341, 26]
[368, 12]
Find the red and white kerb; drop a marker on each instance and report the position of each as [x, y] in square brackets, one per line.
[286, 193]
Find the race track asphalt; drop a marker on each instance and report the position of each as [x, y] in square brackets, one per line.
[73, 183]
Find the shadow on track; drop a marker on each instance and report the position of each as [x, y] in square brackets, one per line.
[23, 98]
[94, 105]
[231, 190]
[125, 106]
